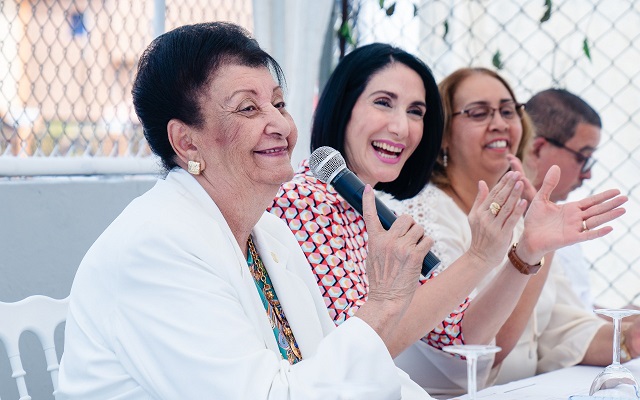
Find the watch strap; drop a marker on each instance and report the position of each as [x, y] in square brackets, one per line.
[523, 267]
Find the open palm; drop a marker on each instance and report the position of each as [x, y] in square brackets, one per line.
[549, 226]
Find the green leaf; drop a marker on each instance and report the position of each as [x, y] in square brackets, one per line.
[586, 49]
[446, 29]
[381, 2]
[346, 33]
[496, 60]
[391, 9]
[547, 12]
[344, 29]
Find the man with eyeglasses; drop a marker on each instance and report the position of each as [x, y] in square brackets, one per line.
[567, 134]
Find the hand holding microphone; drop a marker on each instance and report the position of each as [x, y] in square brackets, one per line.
[328, 165]
[393, 259]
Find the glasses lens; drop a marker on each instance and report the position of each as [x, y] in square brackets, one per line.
[588, 164]
[508, 111]
[479, 113]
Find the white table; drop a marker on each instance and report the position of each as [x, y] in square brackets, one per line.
[556, 385]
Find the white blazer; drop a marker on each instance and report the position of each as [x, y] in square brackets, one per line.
[163, 306]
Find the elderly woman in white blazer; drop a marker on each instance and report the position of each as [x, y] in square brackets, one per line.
[194, 292]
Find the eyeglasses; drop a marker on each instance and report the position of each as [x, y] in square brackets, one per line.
[483, 113]
[586, 161]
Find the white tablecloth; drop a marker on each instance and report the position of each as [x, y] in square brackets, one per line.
[556, 385]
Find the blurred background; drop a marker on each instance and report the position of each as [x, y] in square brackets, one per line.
[66, 69]
[72, 149]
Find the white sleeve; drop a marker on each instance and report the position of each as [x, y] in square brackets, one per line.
[570, 330]
[576, 269]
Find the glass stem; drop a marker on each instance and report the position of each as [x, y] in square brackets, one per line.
[472, 361]
[616, 341]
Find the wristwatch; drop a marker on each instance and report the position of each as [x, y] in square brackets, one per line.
[522, 266]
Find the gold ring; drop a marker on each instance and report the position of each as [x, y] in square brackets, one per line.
[494, 208]
[584, 225]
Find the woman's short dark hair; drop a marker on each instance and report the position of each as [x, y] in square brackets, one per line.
[340, 94]
[175, 70]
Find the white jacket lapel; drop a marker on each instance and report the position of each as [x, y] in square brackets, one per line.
[240, 275]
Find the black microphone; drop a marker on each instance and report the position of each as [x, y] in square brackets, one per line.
[328, 165]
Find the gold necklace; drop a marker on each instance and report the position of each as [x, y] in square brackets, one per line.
[259, 273]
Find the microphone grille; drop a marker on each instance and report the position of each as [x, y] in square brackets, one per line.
[325, 162]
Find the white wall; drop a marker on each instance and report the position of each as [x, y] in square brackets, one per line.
[46, 226]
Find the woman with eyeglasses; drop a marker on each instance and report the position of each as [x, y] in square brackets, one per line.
[485, 129]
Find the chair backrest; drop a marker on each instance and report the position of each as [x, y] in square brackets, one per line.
[40, 315]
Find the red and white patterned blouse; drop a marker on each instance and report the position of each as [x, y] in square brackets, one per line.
[334, 238]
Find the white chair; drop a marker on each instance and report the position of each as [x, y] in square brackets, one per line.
[40, 315]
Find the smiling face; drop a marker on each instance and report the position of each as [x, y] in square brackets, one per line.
[386, 124]
[247, 136]
[478, 149]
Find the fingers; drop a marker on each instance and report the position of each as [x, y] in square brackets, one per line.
[408, 231]
[602, 208]
[424, 245]
[550, 182]
[504, 194]
[600, 198]
[369, 211]
[498, 194]
[483, 192]
[501, 191]
[520, 208]
[596, 221]
[529, 190]
[405, 230]
[513, 207]
[596, 233]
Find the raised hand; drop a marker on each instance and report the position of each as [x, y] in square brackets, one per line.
[394, 260]
[491, 234]
[394, 257]
[529, 191]
[549, 226]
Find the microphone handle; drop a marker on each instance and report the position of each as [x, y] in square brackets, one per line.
[351, 189]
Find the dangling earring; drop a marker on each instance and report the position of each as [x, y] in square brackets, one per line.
[193, 167]
[445, 158]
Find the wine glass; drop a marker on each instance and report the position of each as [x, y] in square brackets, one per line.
[472, 352]
[616, 380]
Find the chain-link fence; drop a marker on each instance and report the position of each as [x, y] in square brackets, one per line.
[589, 47]
[66, 69]
[67, 66]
